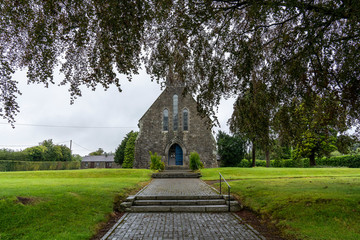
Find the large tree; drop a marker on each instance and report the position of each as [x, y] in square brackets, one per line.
[306, 46]
[252, 117]
[311, 126]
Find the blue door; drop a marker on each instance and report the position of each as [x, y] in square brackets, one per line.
[178, 155]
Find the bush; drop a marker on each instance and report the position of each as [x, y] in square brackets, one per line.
[245, 163]
[156, 163]
[195, 162]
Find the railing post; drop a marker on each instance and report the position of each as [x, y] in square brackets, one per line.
[220, 183]
[225, 190]
[229, 198]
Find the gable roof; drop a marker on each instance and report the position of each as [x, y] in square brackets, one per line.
[102, 158]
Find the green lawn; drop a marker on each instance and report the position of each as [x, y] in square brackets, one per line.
[315, 203]
[61, 204]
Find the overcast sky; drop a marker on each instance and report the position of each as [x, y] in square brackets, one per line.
[98, 119]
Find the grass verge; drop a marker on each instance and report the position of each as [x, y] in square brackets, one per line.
[68, 204]
[304, 203]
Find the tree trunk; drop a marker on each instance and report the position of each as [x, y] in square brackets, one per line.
[267, 155]
[312, 160]
[253, 156]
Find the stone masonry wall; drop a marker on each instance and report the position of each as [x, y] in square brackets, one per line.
[152, 137]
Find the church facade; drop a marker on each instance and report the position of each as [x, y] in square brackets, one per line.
[173, 129]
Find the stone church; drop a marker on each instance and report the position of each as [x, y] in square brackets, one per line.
[173, 128]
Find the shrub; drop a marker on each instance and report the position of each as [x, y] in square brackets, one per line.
[276, 163]
[156, 163]
[245, 163]
[195, 162]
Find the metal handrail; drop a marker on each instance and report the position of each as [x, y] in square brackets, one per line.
[221, 177]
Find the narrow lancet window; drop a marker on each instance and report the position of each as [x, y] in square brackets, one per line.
[186, 120]
[175, 112]
[166, 120]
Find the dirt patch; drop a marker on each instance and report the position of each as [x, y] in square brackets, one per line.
[74, 194]
[263, 226]
[104, 228]
[27, 200]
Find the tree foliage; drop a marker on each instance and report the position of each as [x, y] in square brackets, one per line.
[129, 154]
[98, 152]
[8, 154]
[216, 47]
[45, 151]
[88, 39]
[313, 130]
[120, 150]
[231, 149]
[36, 153]
[300, 48]
[294, 66]
[345, 142]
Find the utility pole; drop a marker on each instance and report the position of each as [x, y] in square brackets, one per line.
[70, 146]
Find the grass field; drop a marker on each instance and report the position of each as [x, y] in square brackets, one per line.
[315, 203]
[61, 204]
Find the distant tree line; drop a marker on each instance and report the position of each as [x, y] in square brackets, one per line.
[45, 151]
[239, 150]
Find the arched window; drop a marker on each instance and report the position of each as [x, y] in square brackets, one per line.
[165, 120]
[175, 112]
[185, 120]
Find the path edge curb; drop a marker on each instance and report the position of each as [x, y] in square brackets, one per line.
[114, 227]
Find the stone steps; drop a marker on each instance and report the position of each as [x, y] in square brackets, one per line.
[176, 174]
[177, 168]
[179, 202]
[187, 208]
[178, 197]
[200, 203]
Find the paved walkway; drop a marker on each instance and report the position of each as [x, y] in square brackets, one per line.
[180, 225]
[178, 187]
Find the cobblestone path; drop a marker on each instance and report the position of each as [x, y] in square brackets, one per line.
[209, 226]
[177, 186]
[163, 226]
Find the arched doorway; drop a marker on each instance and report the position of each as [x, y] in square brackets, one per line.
[175, 155]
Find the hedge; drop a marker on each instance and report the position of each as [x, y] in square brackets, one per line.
[34, 166]
[351, 161]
